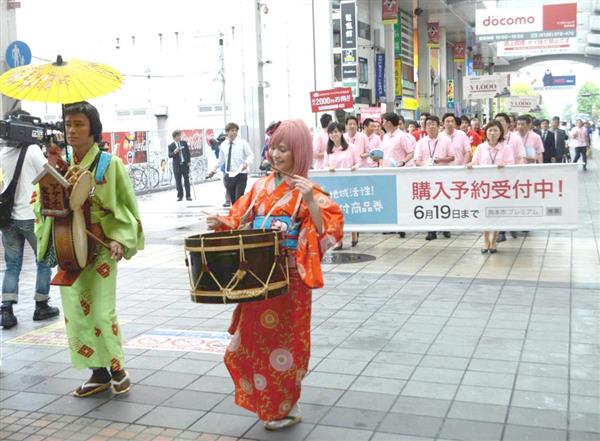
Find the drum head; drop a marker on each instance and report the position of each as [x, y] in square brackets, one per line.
[80, 243]
[81, 189]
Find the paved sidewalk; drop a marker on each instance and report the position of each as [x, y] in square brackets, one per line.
[429, 341]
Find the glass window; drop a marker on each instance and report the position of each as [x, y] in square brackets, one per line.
[364, 30]
[337, 36]
[363, 70]
[337, 67]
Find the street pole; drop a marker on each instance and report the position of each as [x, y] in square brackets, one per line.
[314, 37]
[259, 76]
[222, 74]
[8, 33]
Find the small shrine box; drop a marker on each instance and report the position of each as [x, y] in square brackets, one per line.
[54, 192]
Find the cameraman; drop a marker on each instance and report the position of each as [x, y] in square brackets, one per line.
[21, 229]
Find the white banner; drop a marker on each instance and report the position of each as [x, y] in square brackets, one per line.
[485, 86]
[529, 48]
[524, 104]
[516, 197]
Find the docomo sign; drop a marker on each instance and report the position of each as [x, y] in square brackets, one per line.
[331, 99]
[543, 21]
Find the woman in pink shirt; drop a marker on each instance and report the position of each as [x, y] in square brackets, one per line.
[579, 140]
[358, 139]
[494, 151]
[320, 142]
[512, 139]
[340, 154]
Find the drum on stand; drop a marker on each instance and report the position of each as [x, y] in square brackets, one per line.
[236, 266]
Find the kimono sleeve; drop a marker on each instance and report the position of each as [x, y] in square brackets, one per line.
[120, 219]
[312, 245]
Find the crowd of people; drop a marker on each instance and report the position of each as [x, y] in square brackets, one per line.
[449, 140]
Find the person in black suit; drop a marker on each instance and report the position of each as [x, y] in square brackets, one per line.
[549, 143]
[560, 141]
[180, 152]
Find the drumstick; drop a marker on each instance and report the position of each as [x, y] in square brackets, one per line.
[289, 175]
[97, 239]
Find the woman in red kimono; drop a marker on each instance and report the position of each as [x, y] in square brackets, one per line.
[270, 346]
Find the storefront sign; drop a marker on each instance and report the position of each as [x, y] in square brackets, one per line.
[526, 23]
[485, 86]
[379, 75]
[433, 34]
[522, 197]
[348, 24]
[528, 48]
[331, 99]
[398, 78]
[450, 93]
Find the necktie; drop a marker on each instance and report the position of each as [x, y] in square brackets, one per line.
[544, 135]
[180, 154]
[228, 167]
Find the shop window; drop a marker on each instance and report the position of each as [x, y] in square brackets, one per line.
[363, 70]
[337, 67]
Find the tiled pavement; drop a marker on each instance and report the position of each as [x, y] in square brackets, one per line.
[430, 341]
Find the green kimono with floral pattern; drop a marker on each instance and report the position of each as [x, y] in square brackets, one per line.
[89, 304]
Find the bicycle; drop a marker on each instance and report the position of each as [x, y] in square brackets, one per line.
[198, 170]
[138, 178]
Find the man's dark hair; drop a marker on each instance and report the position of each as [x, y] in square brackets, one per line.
[231, 126]
[348, 118]
[556, 118]
[392, 117]
[176, 133]
[330, 128]
[326, 118]
[433, 118]
[504, 116]
[91, 113]
[446, 115]
[465, 118]
[425, 114]
[411, 121]
[367, 121]
[525, 118]
[545, 120]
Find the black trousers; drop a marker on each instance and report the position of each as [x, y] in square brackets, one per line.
[236, 186]
[182, 171]
[581, 151]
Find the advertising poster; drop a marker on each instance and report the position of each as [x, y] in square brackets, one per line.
[485, 86]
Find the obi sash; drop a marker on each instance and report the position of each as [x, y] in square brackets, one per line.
[283, 223]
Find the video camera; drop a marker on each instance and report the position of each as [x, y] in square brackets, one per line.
[26, 129]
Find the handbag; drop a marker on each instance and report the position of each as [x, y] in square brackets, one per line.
[7, 198]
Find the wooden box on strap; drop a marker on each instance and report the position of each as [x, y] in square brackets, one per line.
[236, 266]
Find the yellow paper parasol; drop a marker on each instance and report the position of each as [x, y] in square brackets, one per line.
[60, 82]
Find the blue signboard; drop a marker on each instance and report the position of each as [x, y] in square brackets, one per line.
[18, 54]
[367, 200]
[379, 75]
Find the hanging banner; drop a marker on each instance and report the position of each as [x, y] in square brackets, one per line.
[389, 11]
[379, 75]
[458, 52]
[194, 139]
[478, 63]
[485, 86]
[433, 34]
[450, 198]
[349, 31]
[528, 48]
[450, 93]
[370, 112]
[526, 23]
[524, 104]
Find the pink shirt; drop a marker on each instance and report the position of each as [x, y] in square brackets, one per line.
[320, 147]
[485, 154]
[532, 143]
[439, 147]
[579, 136]
[361, 143]
[396, 147]
[461, 145]
[374, 141]
[514, 141]
[342, 158]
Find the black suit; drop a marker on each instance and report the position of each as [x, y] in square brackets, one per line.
[562, 149]
[549, 147]
[181, 168]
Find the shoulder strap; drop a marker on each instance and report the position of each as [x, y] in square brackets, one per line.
[102, 166]
[15, 180]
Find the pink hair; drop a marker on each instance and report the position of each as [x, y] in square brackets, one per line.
[295, 135]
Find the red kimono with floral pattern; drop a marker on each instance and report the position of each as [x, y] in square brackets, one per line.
[270, 348]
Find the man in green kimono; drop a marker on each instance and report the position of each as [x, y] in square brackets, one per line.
[89, 303]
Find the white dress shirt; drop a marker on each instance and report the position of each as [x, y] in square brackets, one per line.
[240, 154]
